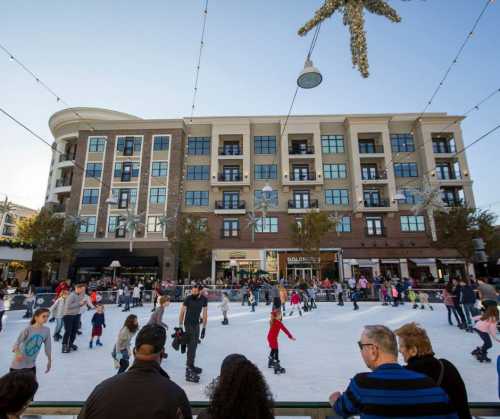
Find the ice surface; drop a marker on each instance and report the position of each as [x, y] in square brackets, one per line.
[322, 359]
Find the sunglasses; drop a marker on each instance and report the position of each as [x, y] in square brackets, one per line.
[361, 345]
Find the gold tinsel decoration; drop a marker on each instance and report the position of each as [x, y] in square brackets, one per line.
[352, 11]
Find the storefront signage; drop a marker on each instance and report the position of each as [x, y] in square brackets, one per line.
[295, 260]
[237, 255]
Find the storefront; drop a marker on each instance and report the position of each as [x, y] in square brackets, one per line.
[369, 268]
[451, 268]
[295, 266]
[423, 269]
[390, 268]
[233, 265]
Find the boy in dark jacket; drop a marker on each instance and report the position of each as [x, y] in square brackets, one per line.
[98, 322]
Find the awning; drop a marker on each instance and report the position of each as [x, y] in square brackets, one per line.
[104, 262]
[424, 262]
[352, 261]
[452, 261]
[392, 261]
[367, 263]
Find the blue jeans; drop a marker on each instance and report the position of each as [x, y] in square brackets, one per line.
[59, 325]
[256, 295]
[469, 312]
[124, 362]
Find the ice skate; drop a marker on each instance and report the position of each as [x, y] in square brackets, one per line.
[270, 362]
[91, 345]
[197, 370]
[476, 351]
[73, 347]
[98, 343]
[278, 369]
[65, 349]
[191, 376]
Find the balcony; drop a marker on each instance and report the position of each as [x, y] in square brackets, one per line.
[301, 150]
[66, 157]
[302, 176]
[375, 231]
[230, 151]
[371, 149]
[301, 206]
[229, 177]
[376, 203]
[373, 177]
[229, 234]
[230, 207]
[58, 208]
[448, 176]
[63, 182]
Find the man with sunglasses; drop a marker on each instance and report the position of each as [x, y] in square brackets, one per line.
[389, 390]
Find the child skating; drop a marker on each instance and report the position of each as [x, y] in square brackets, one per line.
[157, 316]
[486, 328]
[424, 300]
[295, 303]
[272, 338]
[57, 312]
[412, 296]
[251, 300]
[224, 306]
[98, 323]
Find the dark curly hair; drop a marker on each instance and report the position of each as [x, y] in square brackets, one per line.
[17, 389]
[241, 392]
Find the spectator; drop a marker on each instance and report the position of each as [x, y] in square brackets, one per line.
[239, 392]
[487, 293]
[144, 391]
[416, 348]
[398, 385]
[17, 389]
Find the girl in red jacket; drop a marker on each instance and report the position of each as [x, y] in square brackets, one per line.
[295, 302]
[272, 339]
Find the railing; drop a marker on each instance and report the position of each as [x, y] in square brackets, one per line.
[313, 410]
[229, 234]
[373, 176]
[293, 204]
[232, 177]
[452, 175]
[306, 149]
[58, 208]
[371, 149]
[230, 151]
[440, 148]
[230, 205]
[454, 202]
[374, 203]
[63, 182]
[375, 231]
[302, 176]
[66, 157]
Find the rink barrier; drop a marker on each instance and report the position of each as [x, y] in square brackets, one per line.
[314, 410]
[179, 292]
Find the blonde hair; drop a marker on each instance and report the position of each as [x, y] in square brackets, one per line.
[164, 299]
[415, 336]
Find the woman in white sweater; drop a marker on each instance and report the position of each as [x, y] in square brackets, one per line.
[122, 352]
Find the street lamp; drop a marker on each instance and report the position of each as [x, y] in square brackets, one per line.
[112, 200]
[115, 264]
[267, 188]
[310, 77]
[233, 264]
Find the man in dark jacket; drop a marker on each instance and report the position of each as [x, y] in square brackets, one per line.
[468, 299]
[145, 391]
[457, 298]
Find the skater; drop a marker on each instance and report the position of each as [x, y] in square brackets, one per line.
[251, 300]
[486, 328]
[87, 306]
[2, 308]
[71, 318]
[448, 298]
[272, 338]
[57, 312]
[30, 302]
[339, 290]
[355, 294]
[136, 296]
[395, 296]
[126, 298]
[121, 351]
[412, 296]
[383, 293]
[295, 302]
[224, 306]
[312, 297]
[424, 300]
[30, 341]
[119, 296]
[275, 295]
[468, 299]
[189, 317]
[98, 323]
[157, 316]
[283, 298]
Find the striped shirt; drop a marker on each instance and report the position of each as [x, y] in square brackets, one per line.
[393, 391]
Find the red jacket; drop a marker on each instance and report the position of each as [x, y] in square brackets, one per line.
[60, 288]
[295, 299]
[272, 336]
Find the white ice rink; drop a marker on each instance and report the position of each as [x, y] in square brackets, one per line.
[322, 359]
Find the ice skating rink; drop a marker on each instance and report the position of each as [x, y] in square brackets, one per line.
[322, 360]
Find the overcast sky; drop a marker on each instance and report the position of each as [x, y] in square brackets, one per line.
[139, 57]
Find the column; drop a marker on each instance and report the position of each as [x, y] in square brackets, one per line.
[403, 264]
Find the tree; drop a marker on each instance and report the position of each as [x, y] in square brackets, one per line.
[457, 228]
[193, 242]
[308, 233]
[352, 11]
[53, 238]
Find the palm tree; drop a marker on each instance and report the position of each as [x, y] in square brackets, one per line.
[352, 11]
[430, 201]
[131, 222]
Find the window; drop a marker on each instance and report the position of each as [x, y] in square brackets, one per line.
[334, 171]
[127, 170]
[126, 197]
[197, 173]
[272, 196]
[199, 145]
[94, 170]
[159, 168]
[405, 169]
[161, 142]
[410, 197]
[154, 225]
[90, 196]
[230, 228]
[88, 225]
[301, 199]
[332, 144]
[115, 225]
[402, 143]
[344, 225]
[157, 195]
[368, 147]
[129, 145]
[412, 223]
[374, 226]
[265, 171]
[97, 144]
[443, 145]
[265, 144]
[266, 225]
[231, 200]
[196, 198]
[337, 197]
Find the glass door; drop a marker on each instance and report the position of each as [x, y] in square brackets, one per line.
[126, 172]
[231, 200]
[231, 228]
[372, 198]
[369, 171]
[374, 226]
[301, 199]
[300, 172]
[123, 198]
[232, 173]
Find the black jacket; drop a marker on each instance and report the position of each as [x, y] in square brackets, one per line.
[144, 391]
[451, 383]
[468, 295]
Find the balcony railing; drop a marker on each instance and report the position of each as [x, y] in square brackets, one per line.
[306, 149]
[448, 176]
[376, 203]
[66, 157]
[297, 204]
[373, 176]
[63, 182]
[441, 148]
[229, 177]
[301, 176]
[375, 231]
[230, 205]
[230, 151]
[371, 149]
[229, 234]
[454, 202]
[58, 208]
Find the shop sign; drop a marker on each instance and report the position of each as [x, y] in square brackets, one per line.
[296, 260]
[237, 255]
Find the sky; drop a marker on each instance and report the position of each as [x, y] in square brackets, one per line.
[140, 57]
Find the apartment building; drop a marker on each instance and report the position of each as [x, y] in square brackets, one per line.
[363, 168]
[9, 220]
